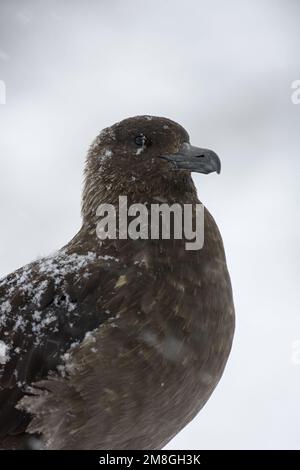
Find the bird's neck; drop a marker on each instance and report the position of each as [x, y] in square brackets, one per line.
[99, 190]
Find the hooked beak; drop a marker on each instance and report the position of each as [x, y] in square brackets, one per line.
[194, 159]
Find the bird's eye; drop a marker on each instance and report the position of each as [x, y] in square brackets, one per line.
[140, 140]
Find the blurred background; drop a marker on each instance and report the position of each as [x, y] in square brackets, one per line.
[224, 70]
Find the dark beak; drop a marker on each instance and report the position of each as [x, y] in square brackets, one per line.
[192, 158]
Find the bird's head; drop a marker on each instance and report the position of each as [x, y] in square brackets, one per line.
[142, 155]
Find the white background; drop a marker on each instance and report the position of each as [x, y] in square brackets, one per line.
[224, 71]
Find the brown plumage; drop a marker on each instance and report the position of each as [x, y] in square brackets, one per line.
[118, 344]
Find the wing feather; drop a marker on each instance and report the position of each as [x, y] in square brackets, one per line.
[45, 307]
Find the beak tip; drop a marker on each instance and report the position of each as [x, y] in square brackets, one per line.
[217, 162]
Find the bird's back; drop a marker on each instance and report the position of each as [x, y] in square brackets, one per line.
[46, 308]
